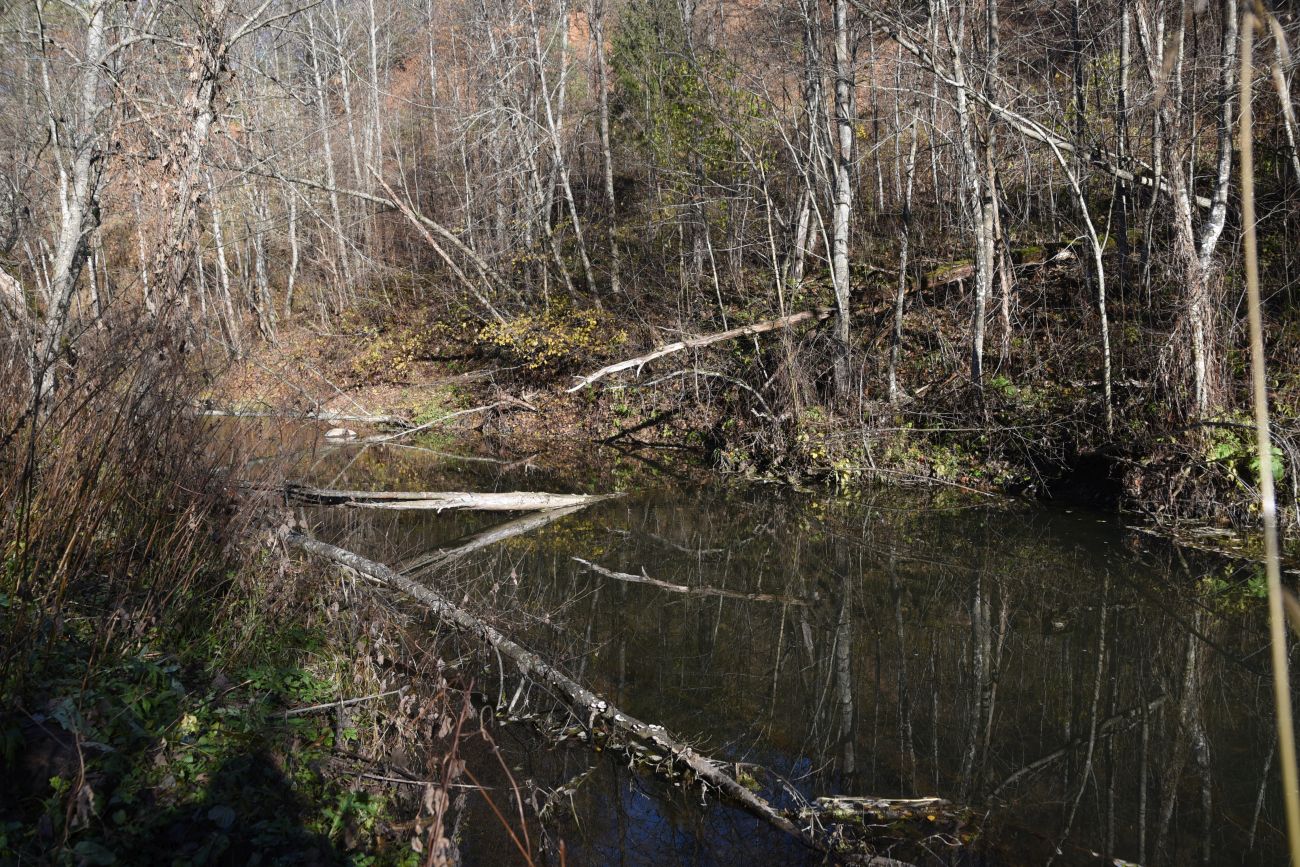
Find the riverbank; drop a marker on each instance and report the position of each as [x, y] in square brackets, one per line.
[755, 407]
[174, 687]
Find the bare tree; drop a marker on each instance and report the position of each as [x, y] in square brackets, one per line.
[844, 122]
[596, 16]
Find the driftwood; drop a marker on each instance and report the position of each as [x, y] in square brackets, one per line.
[586, 705]
[816, 314]
[689, 591]
[438, 501]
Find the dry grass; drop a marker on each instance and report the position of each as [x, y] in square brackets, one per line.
[119, 508]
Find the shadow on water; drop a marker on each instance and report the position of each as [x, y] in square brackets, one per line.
[1095, 695]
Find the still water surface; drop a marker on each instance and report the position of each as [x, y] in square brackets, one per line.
[1092, 693]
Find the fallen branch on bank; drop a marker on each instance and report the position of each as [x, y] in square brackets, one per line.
[595, 712]
[439, 501]
[342, 703]
[937, 277]
[816, 314]
[689, 591]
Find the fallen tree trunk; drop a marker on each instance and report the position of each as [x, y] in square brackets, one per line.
[816, 314]
[438, 501]
[689, 591]
[585, 704]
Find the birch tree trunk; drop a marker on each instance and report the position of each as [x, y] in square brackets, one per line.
[607, 156]
[327, 152]
[1122, 190]
[174, 255]
[557, 147]
[795, 264]
[978, 201]
[375, 143]
[816, 167]
[904, 245]
[291, 201]
[1205, 353]
[230, 320]
[78, 192]
[844, 82]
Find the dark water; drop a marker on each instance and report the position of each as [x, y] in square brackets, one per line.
[1091, 692]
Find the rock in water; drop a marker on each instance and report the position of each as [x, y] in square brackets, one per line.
[340, 433]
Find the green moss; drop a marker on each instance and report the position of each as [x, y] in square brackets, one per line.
[430, 405]
[948, 269]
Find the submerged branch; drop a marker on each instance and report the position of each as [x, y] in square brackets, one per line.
[1108, 727]
[486, 538]
[689, 591]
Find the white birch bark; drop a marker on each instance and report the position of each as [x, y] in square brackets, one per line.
[844, 82]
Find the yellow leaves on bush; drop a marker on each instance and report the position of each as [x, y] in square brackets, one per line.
[389, 357]
[555, 340]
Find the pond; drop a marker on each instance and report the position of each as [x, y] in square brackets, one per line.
[1085, 692]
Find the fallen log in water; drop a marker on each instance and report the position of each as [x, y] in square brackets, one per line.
[596, 712]
[817, 314]
[689, 591]
[438, 501]
[483, 539]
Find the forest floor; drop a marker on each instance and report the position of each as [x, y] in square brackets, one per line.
[324, 734]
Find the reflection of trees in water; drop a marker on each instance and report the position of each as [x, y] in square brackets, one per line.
[1004, 656]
